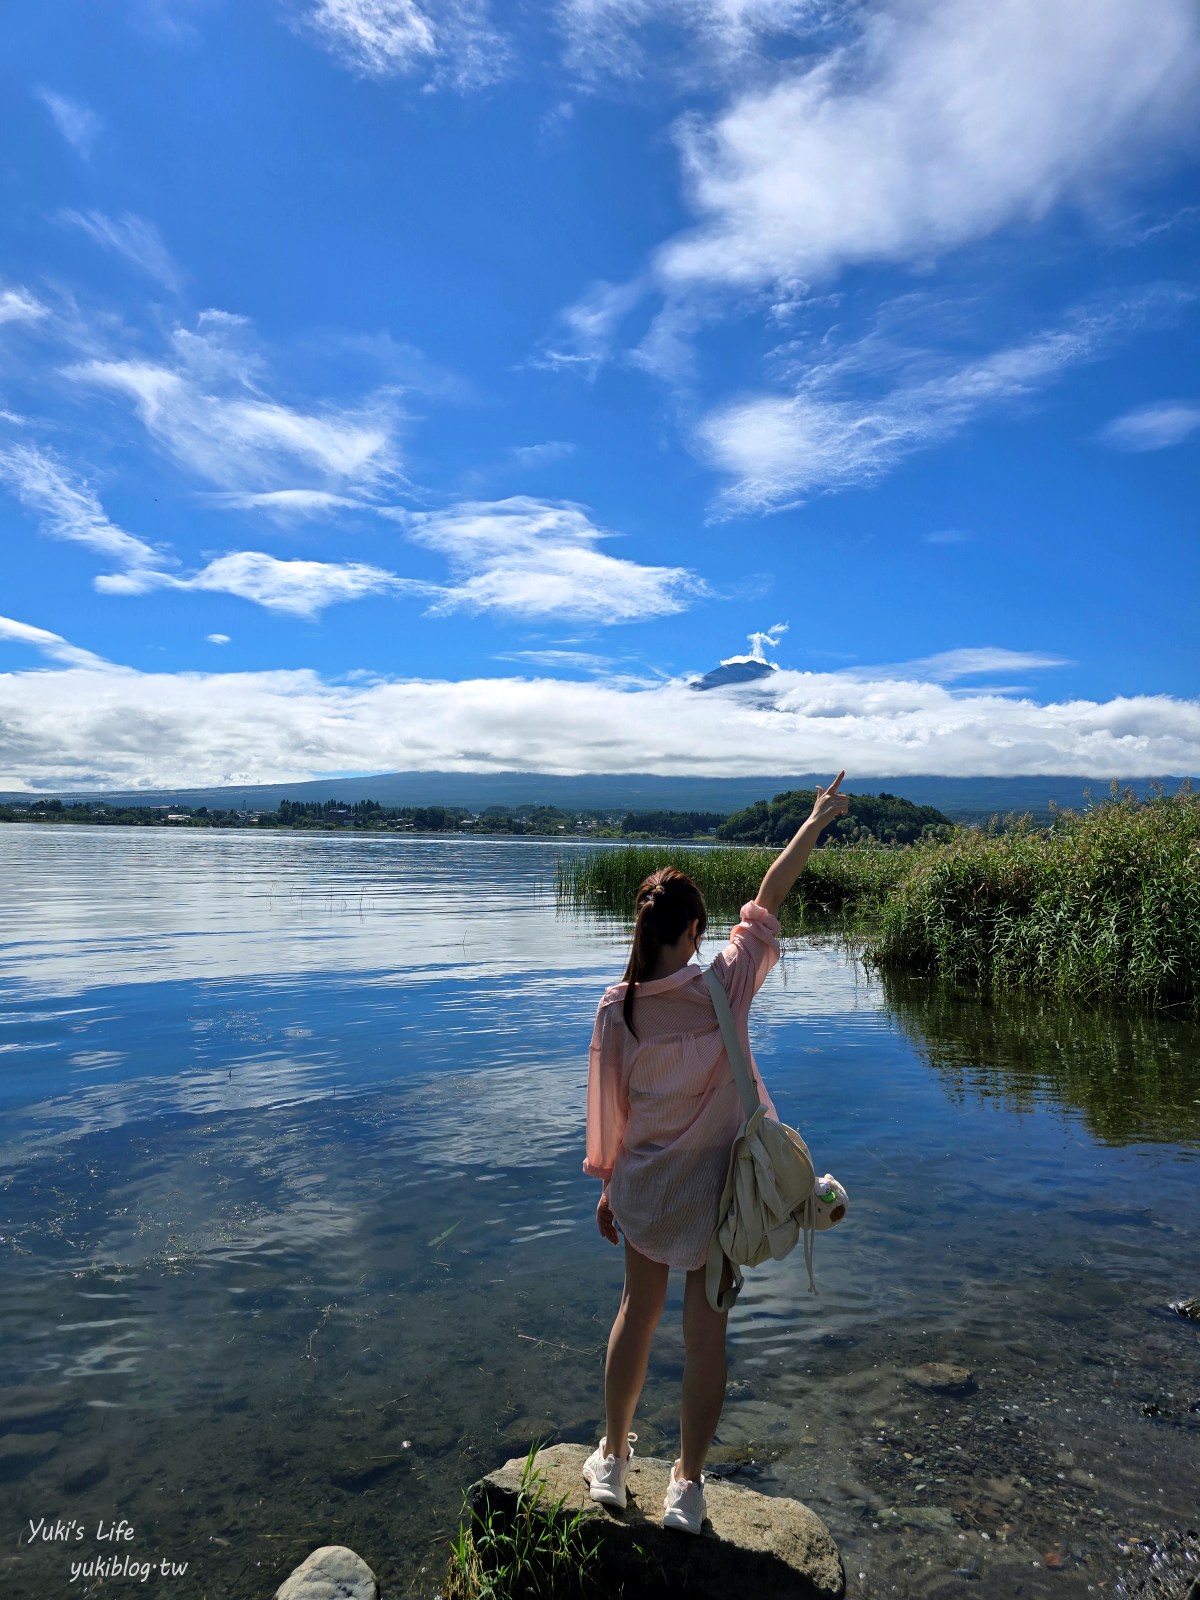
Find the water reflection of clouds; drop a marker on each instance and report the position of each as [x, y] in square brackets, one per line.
[140, 906]
[528, 1116]
[243, 1083]
[97, 1060]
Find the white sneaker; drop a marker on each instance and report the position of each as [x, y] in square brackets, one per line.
[683, 1503]
[606, 1474]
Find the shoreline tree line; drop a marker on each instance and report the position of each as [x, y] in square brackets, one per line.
[882, 819]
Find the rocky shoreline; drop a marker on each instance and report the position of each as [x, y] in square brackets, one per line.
[776, 1548]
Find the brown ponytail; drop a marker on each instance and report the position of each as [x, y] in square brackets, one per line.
[667, 902]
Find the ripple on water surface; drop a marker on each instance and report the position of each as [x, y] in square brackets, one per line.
[296, 1242]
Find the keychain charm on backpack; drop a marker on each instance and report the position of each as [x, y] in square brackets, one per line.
[829, 1202]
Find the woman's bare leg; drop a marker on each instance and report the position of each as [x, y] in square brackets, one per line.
[642, 1301]
[704, 1371]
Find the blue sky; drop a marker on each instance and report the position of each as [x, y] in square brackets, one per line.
[389, 386]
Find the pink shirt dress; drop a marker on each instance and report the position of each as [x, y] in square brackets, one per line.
[663, 1109]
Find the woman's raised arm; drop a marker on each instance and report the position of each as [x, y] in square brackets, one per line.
[789, 863]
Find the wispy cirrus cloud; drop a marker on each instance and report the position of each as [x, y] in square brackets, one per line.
[532, 559]
[20, 305]
[836, 431]
[891, 134]
[68, 508]
[133, 238]
[79, 125]
[52, 645]
[937, 126]
[571, 660]
[948, 666]
[690, 40]
[197, 728]
[1153, 427]
[587, 330]
[207, 406]
[289, 505]
[448, 42]
[520, 559]
[542, 455]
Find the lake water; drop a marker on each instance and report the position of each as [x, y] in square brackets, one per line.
[296, 1242]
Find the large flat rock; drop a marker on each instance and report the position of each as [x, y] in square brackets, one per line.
[758, 1544]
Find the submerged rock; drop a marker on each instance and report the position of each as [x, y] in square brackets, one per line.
[941, 1377]
[932, 1519]
[773, 1548]
[331, 1573]
[1187, 1308]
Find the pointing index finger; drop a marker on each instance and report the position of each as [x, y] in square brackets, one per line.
[832, 789]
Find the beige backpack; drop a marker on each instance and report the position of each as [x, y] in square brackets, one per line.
[772, 1195]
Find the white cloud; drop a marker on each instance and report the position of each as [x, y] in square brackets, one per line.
[78, 124]
[519, 558]
[57, 728]
[68, 509]
[574, 660]
[541, 455]
[534, 559]
[949, 665]
[206, 406]
[450, 41]
[760, 643]
[1155, 427]
[589, 327]
[1182, 216]
[134, 238]
[51, 645]
[948, 536]
[288, 504]
[217, 638]
[299, 588]
[18, 305]
[605, 37]
[942, 123]
[781, 448]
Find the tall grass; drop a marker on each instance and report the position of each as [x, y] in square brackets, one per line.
[1103, 907]
[846, 881]
[539, 1552]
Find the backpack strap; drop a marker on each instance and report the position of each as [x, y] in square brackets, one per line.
[733, 1047]
[713, 1268]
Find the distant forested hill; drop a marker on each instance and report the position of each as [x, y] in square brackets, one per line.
[884, 817]
[964, 799]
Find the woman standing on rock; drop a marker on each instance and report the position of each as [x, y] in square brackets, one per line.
[662, 1114]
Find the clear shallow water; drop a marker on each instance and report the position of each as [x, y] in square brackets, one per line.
[296, 1244]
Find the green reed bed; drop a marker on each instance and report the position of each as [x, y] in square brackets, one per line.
[1103, 907]
[847, 882]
